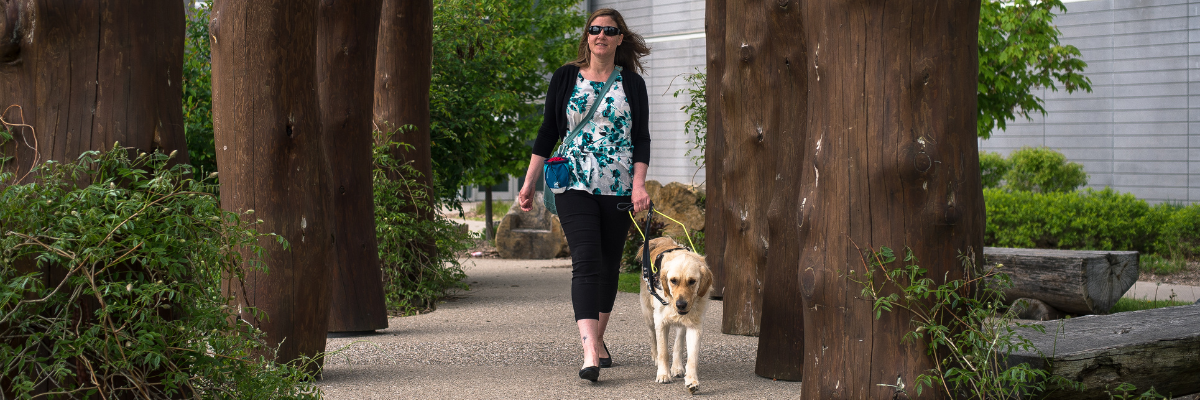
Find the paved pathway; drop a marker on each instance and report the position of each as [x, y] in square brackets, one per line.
[512, 336]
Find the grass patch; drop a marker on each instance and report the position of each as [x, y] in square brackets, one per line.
[499, 208]
[630, 282]
[1160, 265]
[1128, 304]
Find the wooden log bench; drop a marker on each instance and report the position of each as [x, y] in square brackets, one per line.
[1157, 348]
[1072, 281]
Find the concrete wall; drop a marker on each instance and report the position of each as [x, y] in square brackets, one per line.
[1137, 131]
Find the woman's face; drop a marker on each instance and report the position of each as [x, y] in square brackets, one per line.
[602, 45]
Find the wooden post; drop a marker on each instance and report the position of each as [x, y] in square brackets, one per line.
[272, 159]
[764, 131]
[83, 76]
[346, 45]
[890, 159]
[403, 71]
[90, 74]
[714, 232]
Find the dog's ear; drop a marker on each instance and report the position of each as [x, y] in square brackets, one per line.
[706, 281]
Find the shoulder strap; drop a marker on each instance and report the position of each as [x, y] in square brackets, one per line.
[592, 110]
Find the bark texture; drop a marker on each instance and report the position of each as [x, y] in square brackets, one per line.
[272, 157]
[88, 74]
[403, 71]
[346, 41]
[714, 233]
[890, 159]
[763, 104]
[1074, 281]
[1151, 348]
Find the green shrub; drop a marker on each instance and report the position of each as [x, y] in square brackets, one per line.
[992, 167]
[1158, 264]
[1042, 170]
[419, 256]
[1089, 219]
[110, 286]
[197, 93]
[1180, 234]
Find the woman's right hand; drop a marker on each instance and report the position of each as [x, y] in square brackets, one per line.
[525, 197]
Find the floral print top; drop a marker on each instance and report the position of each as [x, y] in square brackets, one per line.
[601, 156]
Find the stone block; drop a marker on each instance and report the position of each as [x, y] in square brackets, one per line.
[535, 234]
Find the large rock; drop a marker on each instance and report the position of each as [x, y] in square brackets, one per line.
[534, 234]
[679, 202]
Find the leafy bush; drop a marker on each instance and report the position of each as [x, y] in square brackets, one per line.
[1042, 170]
[697, 110]
[110, 286]
[958, 321]
[1090, 219]
[1180, 234]
[992, 167]
[197, 93]
[418, 255]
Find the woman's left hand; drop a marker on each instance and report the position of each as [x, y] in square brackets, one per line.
[641, 200]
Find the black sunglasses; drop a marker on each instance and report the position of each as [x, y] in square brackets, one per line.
[608, 30]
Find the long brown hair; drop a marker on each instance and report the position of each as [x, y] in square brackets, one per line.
[629, 53]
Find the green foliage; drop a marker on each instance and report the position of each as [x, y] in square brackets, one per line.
[499, 208]
[197, 93]
[1041, 169]
[418, 255]
[1088, 219]
[1127, 304]
[1018, 52]
[1157, 264]
[491, 60]
[965, 337]
[1180, 234]
[110, 285]
[697, 111]
[992, 167]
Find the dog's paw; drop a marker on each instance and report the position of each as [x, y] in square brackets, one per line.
[693, 387]
[663, 378]
[677, 371]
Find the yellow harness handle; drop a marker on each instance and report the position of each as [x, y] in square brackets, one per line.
[685, 228]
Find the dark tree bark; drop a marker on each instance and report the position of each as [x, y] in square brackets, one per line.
[272, 158]
[89, 74]
[763, 100]
[890, 160]
[403, 71]
[346, 40]
[714, 231]
[80, 76]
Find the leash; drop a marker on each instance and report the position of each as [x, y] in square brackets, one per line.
[650, 268]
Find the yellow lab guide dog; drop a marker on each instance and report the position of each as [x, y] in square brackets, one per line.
[685, 280]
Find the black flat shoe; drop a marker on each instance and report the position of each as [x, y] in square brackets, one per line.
[590, 373]
[606, 362]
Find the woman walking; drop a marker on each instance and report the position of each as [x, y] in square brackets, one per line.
[607, 158]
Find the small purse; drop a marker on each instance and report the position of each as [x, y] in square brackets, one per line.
[557, 170]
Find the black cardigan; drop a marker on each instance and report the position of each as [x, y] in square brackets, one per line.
[554, 122]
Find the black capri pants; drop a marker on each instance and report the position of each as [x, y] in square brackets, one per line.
[596, 231]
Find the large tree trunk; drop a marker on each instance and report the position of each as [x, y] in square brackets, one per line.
[89, 74]
[346, 40]
[272, 158]
[403, 71]
[890, 160]
[83, 76]
[762, 103]
[714, 231]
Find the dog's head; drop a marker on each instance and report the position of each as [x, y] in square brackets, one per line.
[685, 279]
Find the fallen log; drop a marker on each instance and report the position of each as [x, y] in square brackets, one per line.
[1072, 281]
[1157, 349]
